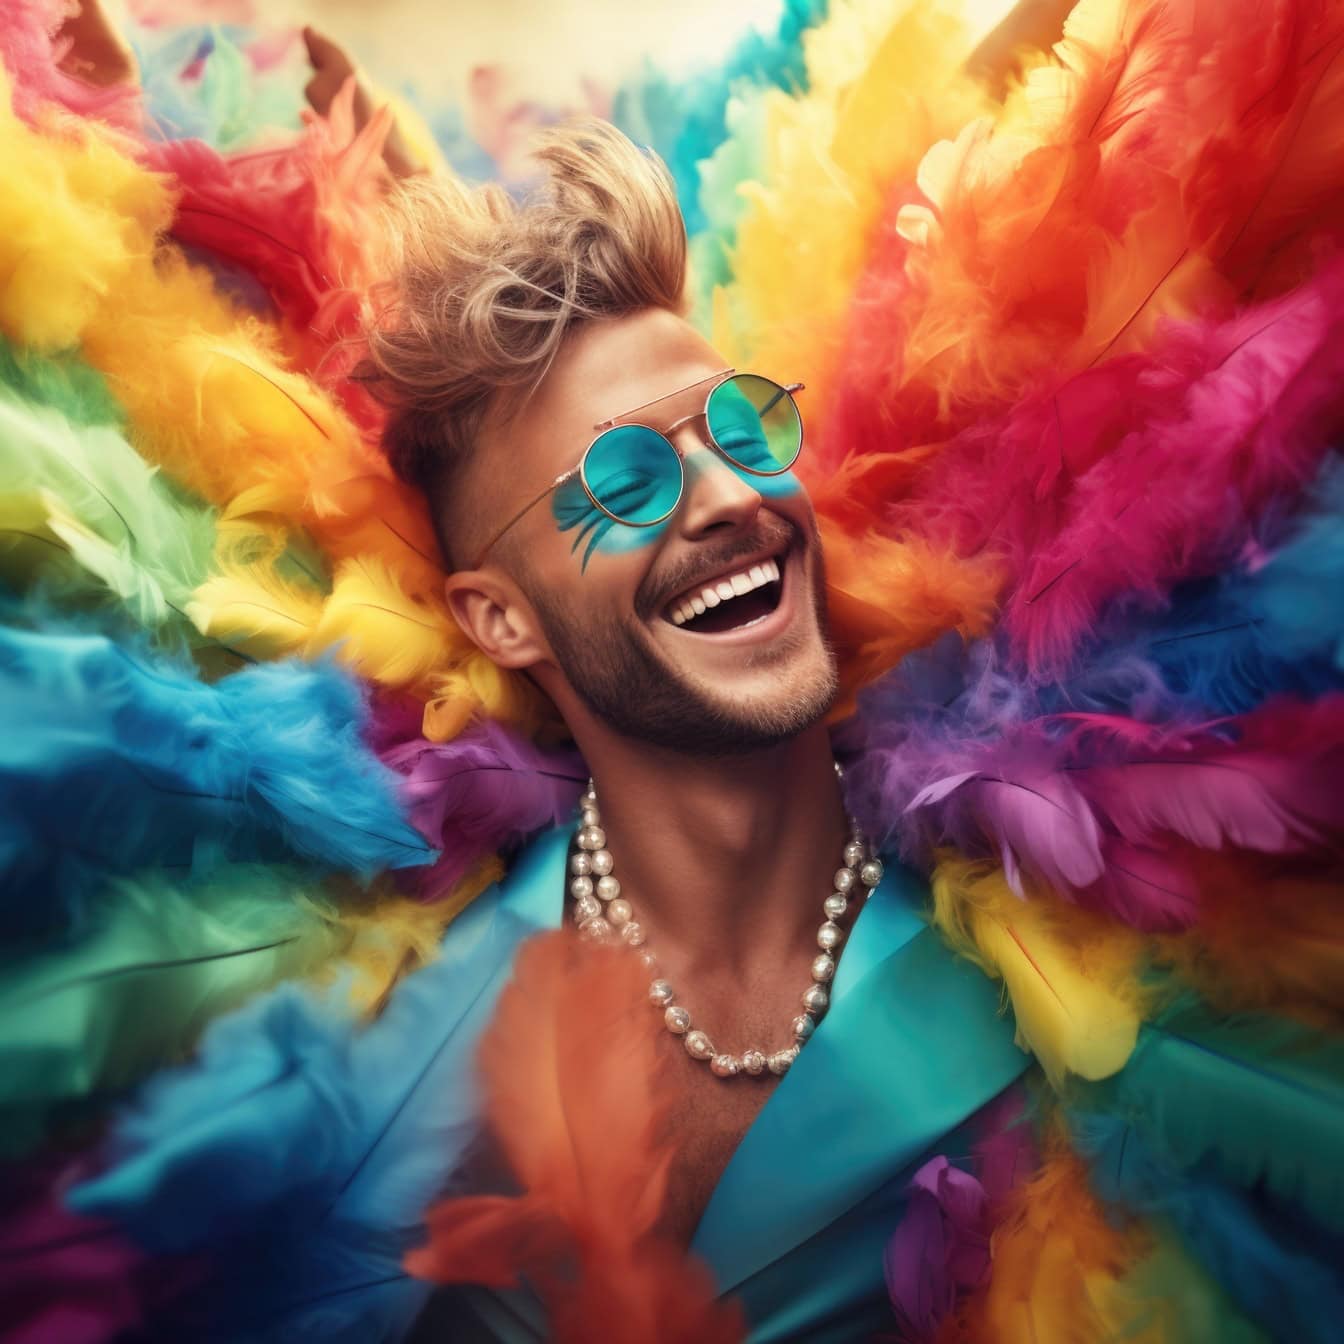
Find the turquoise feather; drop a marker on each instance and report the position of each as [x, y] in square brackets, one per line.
[1255, 1101]
[113, 759]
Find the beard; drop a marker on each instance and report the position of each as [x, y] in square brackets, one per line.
[625, 680]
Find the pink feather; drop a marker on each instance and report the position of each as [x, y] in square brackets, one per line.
[1275, 789]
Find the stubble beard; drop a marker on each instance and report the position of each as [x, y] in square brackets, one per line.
[622, 680]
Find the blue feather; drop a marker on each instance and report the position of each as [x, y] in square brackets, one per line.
[1282, 1274]
[299, 1153]
[113, 758]
[685, 119]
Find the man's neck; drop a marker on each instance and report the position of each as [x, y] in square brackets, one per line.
[727, 858]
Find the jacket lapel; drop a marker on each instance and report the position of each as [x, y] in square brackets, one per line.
[913, 1044]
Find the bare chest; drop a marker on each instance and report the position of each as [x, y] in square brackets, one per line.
[710, 1120]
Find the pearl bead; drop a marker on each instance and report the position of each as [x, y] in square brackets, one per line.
[815, 999]
[595, 930]
[633, 933]
[677, 1019]
[823, 967]
[835, 906]
[580, 887]
[830, 936]
[780, 1061]
[871, 873]
[803, 1026]
[619, 912]
[586, 908]
[580, 865]
[754, 1062]
[725, 1066]
[699, 1046]
[589, 817]
[648, 961]
[853, 854]
[843, 880]
[592, 837]
[608, 888]
[602, 862]
[661, 993]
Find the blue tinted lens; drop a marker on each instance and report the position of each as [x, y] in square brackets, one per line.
[634, 473]
[756, 423]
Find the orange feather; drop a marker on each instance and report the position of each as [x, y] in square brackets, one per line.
[569, 1061]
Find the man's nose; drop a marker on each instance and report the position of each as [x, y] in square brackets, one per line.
[716, 497]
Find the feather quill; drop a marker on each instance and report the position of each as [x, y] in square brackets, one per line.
[158, 960]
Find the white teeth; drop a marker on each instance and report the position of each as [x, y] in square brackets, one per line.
[724, 591]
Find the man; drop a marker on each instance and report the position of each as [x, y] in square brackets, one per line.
[686, 650]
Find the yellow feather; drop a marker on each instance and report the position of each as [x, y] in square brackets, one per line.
[381, 632]
[1056, 1263]
[881, 89]
[1071, 980]
[397, 934]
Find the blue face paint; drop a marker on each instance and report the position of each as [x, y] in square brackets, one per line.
[637, 474]
[572, 508]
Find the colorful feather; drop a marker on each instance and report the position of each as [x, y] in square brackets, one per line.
[486, 790]
[299, 1152]
[1073, 989]
[1254, 1101]
[1285, 1278]
[113, 760]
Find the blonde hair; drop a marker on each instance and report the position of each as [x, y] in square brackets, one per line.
[485, 291]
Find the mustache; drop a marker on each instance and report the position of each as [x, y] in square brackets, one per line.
[771, 534]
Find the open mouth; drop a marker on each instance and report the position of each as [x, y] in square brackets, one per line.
[729, 602]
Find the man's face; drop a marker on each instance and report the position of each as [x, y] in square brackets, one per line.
[612, 599]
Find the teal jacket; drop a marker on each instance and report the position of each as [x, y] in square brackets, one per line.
[914, 1043]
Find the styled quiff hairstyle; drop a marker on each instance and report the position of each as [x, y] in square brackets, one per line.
[485, 290]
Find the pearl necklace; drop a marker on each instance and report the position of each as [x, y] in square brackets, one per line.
[602, 915]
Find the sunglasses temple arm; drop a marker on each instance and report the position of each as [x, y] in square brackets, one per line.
[523, 512]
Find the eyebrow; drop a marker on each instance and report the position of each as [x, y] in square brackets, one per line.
[709, 377]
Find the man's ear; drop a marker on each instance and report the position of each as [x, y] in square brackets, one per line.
[496, 617]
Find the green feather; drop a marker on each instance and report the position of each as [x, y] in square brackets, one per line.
[85, 488]
[64, 383]
[1174, 1297]
[1258, 1099]
[80, 1024]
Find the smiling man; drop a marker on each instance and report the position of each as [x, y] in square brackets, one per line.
[623, 526]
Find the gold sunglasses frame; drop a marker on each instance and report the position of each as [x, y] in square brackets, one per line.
[605, 426]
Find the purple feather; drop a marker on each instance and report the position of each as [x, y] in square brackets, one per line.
[486, 790]
[939, 1250]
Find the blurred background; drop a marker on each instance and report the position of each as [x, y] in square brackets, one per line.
[482, 75]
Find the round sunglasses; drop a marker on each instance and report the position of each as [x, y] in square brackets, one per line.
[634, 473]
